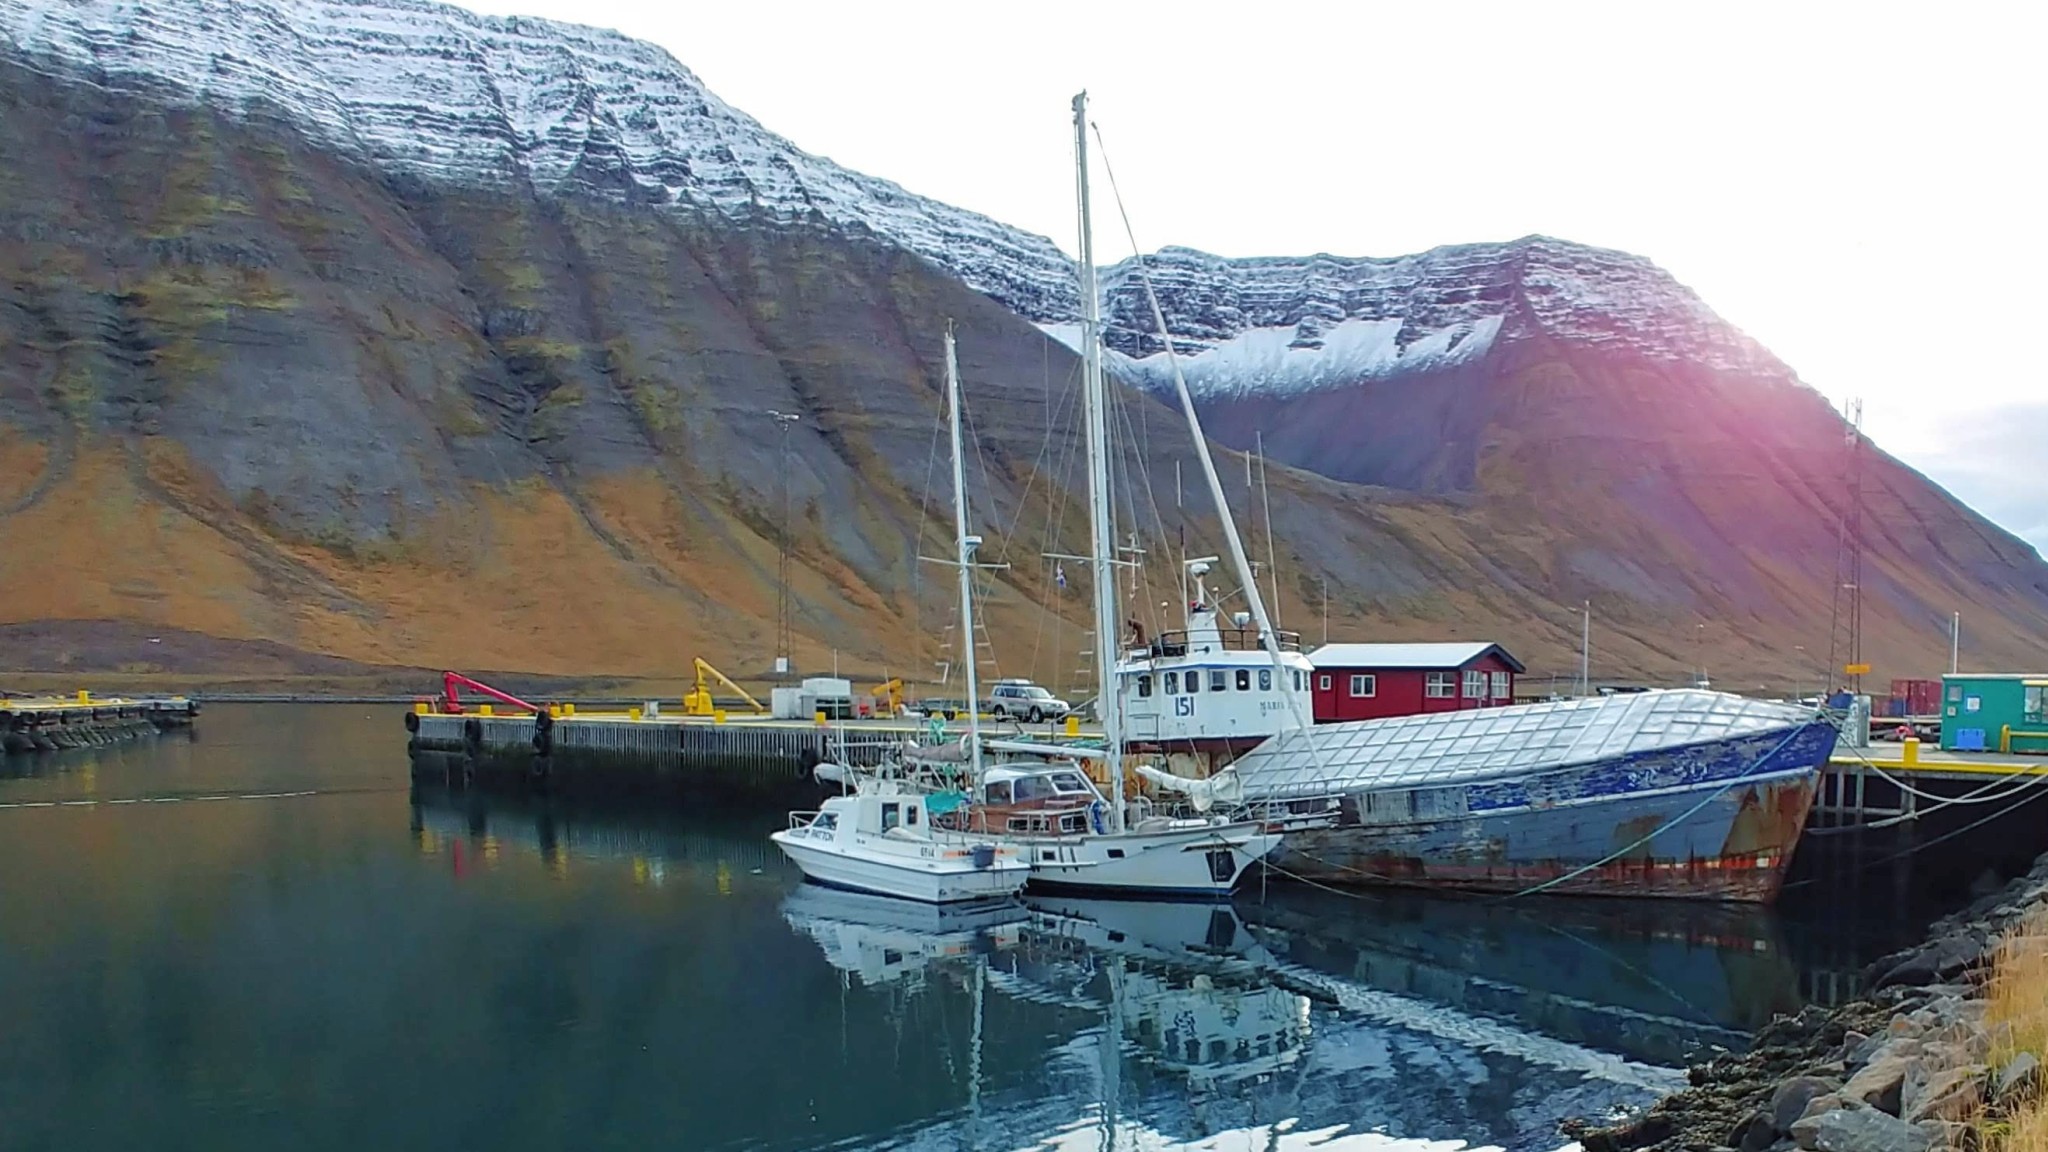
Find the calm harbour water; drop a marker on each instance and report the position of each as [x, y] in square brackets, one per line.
[261, 936]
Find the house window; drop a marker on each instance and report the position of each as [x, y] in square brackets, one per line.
[1475, 684]
[1217, 680]
[1323, 682]
[1173, 683]
[1145, 683]
[1195, 680]
[1441, 685]
[1363, 685]
[1265, 679]
[1244, 679]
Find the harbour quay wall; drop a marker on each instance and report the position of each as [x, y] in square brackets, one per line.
[626, 750]
[45, 724]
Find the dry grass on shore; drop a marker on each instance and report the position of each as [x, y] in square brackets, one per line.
[2016, 1011]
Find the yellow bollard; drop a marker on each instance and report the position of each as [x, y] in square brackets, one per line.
[819, 717]
[718, 716]
[568, 709]
[84, 697]
[420, 707]
[1073, 724]
[483, 709]
[1910, 751]
[633, 713]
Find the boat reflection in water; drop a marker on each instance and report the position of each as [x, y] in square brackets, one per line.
[1291, 1019]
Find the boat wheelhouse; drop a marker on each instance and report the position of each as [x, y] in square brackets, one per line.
[1209, 693]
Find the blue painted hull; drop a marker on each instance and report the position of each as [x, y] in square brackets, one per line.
[1717, 820]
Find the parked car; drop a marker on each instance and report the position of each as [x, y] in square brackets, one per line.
[1023, 700]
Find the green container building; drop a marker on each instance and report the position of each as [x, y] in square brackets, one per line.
[1994, 712]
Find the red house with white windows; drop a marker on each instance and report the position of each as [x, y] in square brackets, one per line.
[1368, 681]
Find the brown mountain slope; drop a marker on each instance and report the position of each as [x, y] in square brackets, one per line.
[251, 389]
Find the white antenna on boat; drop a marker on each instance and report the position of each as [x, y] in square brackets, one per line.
[1089, 307]
[964, 546]
[1102, 555]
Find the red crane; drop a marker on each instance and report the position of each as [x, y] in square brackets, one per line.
[451, 696]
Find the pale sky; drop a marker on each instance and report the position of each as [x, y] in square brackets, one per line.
[1856, 186]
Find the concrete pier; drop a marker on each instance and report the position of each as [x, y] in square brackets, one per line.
[571, 749]
[52, 724]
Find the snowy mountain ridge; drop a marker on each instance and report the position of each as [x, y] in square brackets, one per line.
[430, 92]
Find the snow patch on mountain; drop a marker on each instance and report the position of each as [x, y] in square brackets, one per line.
[1280, 362]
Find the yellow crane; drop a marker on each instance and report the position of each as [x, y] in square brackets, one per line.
[698, 702]
[892, 691]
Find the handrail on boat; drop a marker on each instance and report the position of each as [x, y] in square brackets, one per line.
[802, 819]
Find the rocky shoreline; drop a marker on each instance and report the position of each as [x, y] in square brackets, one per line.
[1902, 1069]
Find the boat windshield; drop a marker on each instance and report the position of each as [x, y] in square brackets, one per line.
[1069, 782]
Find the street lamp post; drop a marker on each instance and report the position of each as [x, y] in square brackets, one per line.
[784, 626]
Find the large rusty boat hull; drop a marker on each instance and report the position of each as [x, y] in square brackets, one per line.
[1712, 821]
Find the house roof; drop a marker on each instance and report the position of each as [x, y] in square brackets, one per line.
[1455, 654]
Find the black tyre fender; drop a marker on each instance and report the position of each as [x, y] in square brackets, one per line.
[543, 733]
[472, 735]
[412, 722]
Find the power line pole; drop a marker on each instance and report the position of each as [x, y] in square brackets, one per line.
[1845, 618]
[784, 604]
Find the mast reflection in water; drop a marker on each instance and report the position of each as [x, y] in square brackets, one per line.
[1292, 1017]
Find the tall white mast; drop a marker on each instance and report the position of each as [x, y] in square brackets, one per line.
[964, 546]
[1101, 547]
[1243, 566]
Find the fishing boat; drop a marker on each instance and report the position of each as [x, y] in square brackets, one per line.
[1678, 793]
[884, 842]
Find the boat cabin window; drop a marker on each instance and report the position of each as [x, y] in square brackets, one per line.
[997, 793]
[1297, 679]
[1265, 679]
[1195, 681]
[1068, 782]
[1244, 679]
[1145, 683]
[1173, 683]
[892, 815]
[824, 822]
[1028, 788]
[910, 815]
[1217, 681]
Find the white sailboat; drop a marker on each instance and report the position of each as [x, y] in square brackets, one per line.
[1149, 854]
[883, 837]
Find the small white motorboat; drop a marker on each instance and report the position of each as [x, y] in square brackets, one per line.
[882, 840]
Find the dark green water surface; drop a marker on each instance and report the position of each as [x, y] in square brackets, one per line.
[262, 936]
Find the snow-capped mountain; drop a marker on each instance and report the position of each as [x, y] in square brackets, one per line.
[431, 92]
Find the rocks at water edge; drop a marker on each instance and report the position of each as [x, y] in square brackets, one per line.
[1900, 1070]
